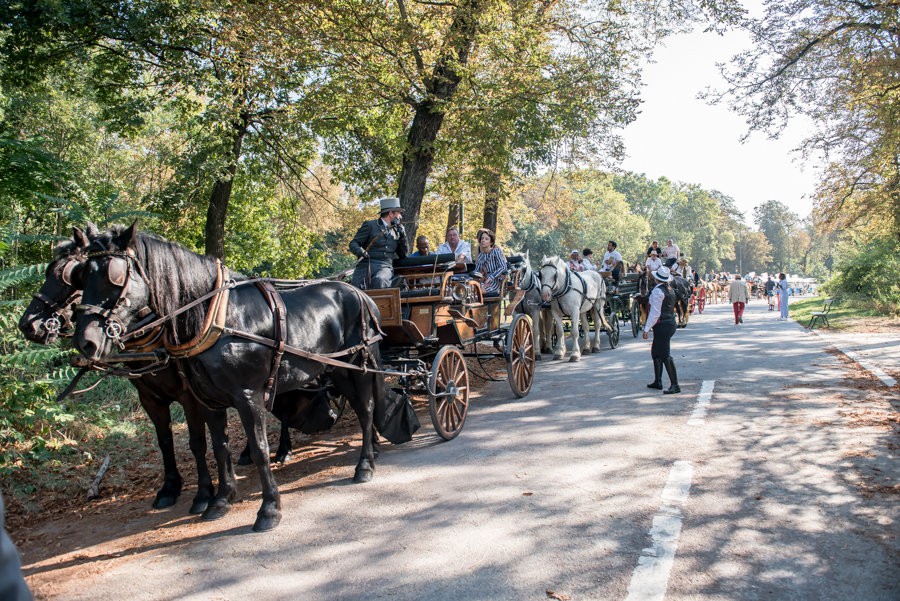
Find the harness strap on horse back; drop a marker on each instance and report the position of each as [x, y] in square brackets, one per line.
[213, 323]
[279, 315]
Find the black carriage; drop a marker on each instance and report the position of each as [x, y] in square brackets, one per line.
[436, 317]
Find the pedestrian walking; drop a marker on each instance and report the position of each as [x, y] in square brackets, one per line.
[662, 321]
[770, 293]
[783, 293]
[739, 295]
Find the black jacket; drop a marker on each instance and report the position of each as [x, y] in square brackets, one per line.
[381, 242]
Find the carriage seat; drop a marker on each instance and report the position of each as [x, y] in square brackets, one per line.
[419, 292]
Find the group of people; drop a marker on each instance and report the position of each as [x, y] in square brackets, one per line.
[610, 266]
[378, 241]
[739, 296]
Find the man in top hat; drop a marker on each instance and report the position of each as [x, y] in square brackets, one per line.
[662, 321]
[376, 243]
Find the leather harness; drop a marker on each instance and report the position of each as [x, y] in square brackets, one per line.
[146, 336]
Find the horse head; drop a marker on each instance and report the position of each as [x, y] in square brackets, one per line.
[49, 314]
[116, 292]
[553, 273]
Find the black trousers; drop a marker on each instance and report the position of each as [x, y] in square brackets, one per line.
[373, 274]
[662, 336]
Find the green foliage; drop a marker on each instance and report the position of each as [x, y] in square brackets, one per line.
[868, 271]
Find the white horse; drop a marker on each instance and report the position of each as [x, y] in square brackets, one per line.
[531, 305]
[573, 295]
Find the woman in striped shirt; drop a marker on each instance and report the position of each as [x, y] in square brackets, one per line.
[491, 263]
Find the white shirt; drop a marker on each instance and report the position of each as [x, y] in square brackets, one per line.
[656, 301]
[653, 263]
[670, 252]
[462, 248]
[586, 265]
[611, 259]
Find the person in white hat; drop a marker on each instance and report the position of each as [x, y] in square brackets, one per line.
[653, 261]
[377, 243]
[662, 321]
[575, 260]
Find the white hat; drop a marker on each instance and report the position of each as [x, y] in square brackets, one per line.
[389, 203]
[663, 275]
[574, 251]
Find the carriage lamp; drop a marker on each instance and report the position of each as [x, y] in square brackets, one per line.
[460, 292]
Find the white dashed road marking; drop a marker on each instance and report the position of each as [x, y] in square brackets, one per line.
[651, 576]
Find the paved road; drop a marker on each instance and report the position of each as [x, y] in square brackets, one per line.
[773, 483]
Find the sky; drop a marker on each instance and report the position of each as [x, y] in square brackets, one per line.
[679, 136]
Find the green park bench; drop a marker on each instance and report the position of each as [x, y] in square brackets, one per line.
[823, 314]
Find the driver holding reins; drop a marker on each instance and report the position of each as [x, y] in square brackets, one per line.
[376, 243]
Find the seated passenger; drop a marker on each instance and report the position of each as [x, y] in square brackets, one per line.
[423, 248]
[587, 262]
[575, 261]
[460, 248]
[491, 263]
[653, 261]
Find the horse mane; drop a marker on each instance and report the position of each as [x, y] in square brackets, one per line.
[176, 277]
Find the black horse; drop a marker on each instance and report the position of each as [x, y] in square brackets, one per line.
[683, 290]
[49, 315]
[129, 275]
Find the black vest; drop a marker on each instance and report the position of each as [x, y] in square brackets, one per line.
[668, 305]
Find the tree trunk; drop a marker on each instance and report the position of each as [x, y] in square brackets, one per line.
[417, 163]
[492, 200]
[221, 194]
[454, 213]
[441, 85]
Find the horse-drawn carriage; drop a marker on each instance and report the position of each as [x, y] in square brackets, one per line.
[187, 328]
[437, 316]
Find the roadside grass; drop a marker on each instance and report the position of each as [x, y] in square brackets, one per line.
[57, 466]
[846, 313]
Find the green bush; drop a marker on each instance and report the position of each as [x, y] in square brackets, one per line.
[868, 271]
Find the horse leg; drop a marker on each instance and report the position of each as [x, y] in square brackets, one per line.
[598, 322]
[283, 454]
[547, 327]
[217, 420]
[576, 348]
[559, 351]
[196, 424]
[244, 457]
[253, 418]
[158, 411]
[537, 327]
[363, 403]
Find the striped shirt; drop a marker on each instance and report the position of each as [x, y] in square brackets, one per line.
[492, 264]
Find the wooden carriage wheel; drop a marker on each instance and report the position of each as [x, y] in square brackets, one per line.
[448, 392]
[613, 332]
[520, 361]
[635, 318]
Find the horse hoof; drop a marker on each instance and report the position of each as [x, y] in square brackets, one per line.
[557, 357]
[363, 475]
[279, 458]
[574, 359]
[244, 460]
[163, 501]
[267, 521]
[198, 506]
[538, 357]
[218, 510]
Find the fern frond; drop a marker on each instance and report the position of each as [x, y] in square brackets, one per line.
[21, 275]
[33, 356]
[127, 216]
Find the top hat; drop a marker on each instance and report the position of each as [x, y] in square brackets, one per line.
[389, 203]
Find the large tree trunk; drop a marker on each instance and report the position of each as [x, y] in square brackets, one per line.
[441, 86]
[492, 200]
[221, 195]
[454, 215]
[417, 162]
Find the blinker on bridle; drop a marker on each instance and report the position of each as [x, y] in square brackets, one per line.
[118, 272]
